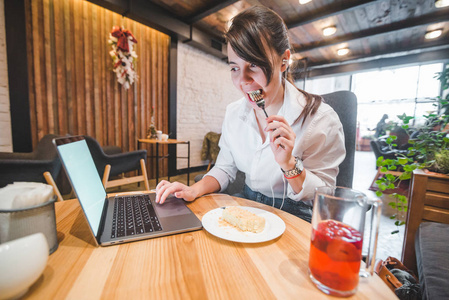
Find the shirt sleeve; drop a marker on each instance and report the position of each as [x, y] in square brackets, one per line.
[321, 157]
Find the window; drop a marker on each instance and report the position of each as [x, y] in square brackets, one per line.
[408, 90]
[394, 91]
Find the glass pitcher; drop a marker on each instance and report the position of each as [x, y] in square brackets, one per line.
[338, 224]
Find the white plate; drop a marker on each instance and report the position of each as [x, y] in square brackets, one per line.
[214, 224]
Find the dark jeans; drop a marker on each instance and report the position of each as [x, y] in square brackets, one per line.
[297, 208]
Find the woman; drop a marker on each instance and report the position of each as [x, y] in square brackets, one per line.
[284, 156]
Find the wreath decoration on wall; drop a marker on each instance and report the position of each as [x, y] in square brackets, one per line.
[123, 55]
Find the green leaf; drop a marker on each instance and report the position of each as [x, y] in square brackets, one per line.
[390, 177]
[402, 198]
[403, 161]
[395, 231]
[408, 168]
[379, 193]
[389, 161]
[384, 169]
[405, 176]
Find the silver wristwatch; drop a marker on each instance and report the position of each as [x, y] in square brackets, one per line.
[297, 170]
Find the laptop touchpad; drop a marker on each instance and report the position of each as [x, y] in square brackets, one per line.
[172, 207]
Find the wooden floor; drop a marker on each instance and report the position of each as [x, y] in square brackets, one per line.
[364, 172]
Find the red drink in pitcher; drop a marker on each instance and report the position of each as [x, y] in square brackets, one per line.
[335, 254]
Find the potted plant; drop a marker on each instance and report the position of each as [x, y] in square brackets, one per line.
[428, 151]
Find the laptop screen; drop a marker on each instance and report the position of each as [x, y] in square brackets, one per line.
[83, 174]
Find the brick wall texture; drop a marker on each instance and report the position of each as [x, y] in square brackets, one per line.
[5, 118]
[204, 90]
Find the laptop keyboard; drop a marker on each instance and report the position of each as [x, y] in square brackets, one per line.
[134, 215]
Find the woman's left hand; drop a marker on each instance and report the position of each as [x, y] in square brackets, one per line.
[282, 140]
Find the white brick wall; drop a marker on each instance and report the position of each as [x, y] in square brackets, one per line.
[204, 90]
[5, 118]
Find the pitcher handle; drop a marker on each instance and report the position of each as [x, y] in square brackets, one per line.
[376, 211]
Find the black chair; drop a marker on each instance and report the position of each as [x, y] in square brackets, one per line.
[41, 165]
[117, 164]
[345, 105]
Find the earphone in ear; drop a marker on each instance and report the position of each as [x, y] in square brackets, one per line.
[284, 61]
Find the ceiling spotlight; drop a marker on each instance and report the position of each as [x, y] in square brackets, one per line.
[307, 1]
[329, 30]
[342, 51]
[441, 3]
[433, 34]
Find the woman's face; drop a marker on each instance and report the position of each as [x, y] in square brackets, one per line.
[248, 77]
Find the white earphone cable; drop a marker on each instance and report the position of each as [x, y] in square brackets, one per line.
[272, 191]
[283, 194]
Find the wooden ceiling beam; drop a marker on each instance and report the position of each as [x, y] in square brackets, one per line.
[329, 11]
[430, 46]
[156, 17]
[351, 67]
[211, 9]
[440, 15]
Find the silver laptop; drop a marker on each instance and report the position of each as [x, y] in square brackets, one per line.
[124, 217]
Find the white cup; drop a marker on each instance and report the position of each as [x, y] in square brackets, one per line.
[164, 136]
[22, 262]
[159, 134]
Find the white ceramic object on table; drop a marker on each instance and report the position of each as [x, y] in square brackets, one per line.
[22, 262]
[164, 137]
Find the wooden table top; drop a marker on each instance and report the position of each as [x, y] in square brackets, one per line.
[193, 265]
[156, 141]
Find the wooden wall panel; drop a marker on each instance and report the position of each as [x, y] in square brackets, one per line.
[73, 89]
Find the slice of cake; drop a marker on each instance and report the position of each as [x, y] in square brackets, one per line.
[243, 219]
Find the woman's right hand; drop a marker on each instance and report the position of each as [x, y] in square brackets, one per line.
[165, 188]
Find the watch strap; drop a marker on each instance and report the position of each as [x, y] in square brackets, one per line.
[296, 171]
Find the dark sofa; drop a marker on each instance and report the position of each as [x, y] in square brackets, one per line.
[432, 259]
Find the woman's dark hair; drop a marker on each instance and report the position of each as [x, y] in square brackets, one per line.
[255, 28]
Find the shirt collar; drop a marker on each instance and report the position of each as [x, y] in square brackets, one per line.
[294, 103]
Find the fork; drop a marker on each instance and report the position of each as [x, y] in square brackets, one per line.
[257, 97]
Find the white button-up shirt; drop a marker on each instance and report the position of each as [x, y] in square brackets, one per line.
[319, 143]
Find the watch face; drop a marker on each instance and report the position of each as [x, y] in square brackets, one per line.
[299, 164]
